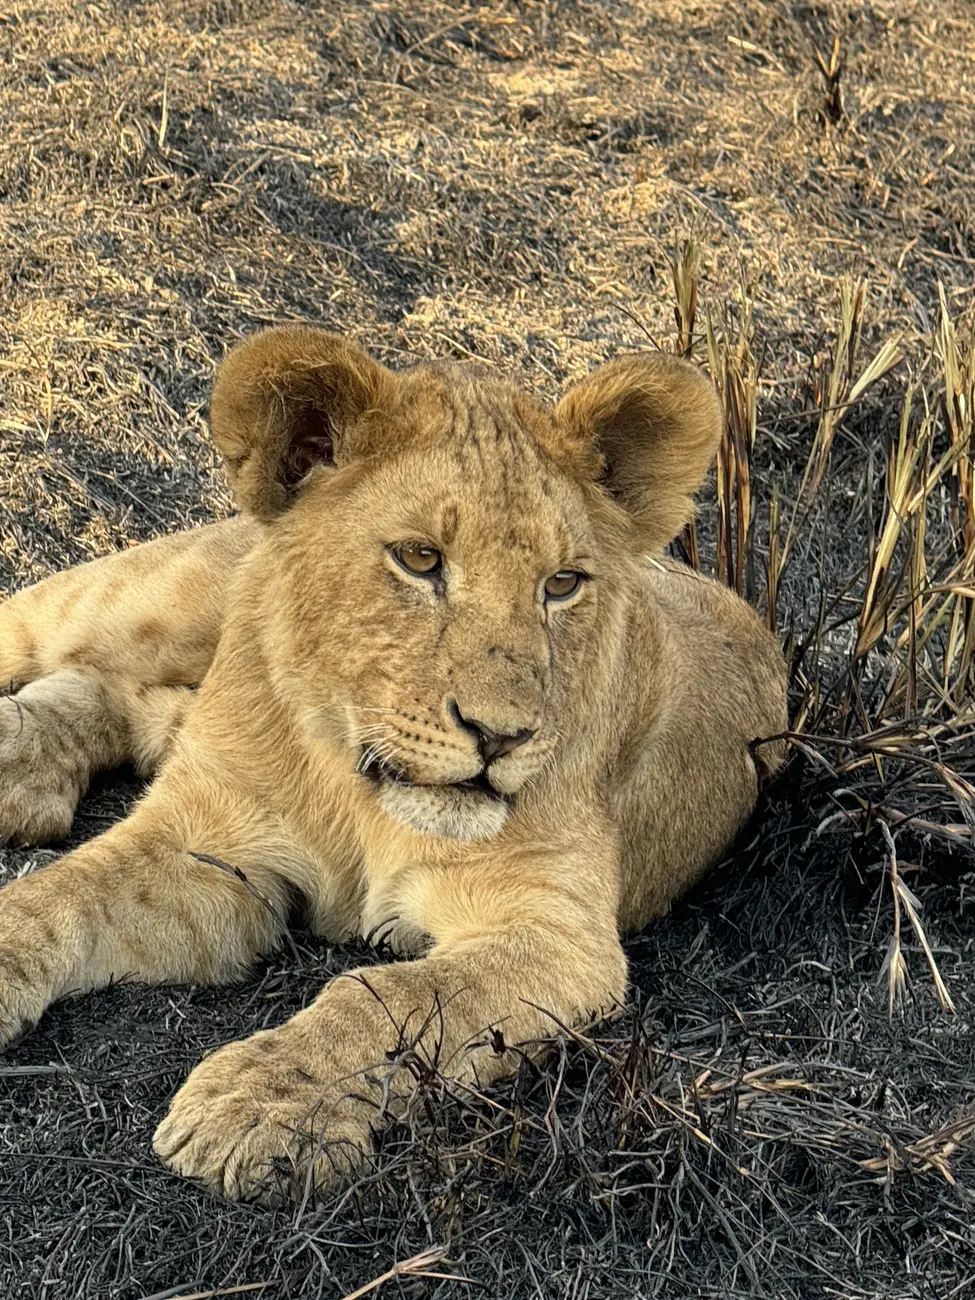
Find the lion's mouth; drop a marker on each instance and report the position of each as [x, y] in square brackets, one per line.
[381, 772]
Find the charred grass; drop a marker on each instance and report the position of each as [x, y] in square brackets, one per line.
[781, 191]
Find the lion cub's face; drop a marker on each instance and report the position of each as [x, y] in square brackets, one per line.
[447, 597]
[445, 548]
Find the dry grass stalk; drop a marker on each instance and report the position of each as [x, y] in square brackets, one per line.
[936, 593]
[895, 705]
[733, 367]
[773, 568]
[958, 365]
[418, 1266]
[895, 964]
[832, 70]
[933, 1151]
[907, 494]
[685, 276]
[685, 270]
[936, 1149]
[247, 1288]
[842, 390]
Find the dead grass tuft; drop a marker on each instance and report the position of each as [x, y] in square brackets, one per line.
[895, 706]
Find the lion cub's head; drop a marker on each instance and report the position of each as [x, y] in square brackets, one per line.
[452, 556]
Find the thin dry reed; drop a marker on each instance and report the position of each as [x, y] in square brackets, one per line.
[884, 713]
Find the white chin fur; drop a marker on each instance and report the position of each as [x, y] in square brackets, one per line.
[454, 814]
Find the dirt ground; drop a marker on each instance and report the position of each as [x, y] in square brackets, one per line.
[507, 181]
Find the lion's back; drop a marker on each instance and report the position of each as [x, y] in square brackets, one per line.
[719, 686]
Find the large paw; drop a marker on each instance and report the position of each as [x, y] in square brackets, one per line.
[40, 776]
[251, 1123]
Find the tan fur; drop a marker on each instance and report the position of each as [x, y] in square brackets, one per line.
[318, 656]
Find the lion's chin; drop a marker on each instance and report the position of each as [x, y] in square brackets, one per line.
[446, 810]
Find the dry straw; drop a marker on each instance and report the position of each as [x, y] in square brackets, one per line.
[887, 716]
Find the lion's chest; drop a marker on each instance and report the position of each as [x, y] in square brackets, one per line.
[356, 872]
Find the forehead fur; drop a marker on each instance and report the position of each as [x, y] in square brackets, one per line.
[471, 410]
[465, 456]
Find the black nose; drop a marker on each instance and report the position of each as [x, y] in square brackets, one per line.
[492, 744]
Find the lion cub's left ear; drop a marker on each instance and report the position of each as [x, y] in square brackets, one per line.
[282, 403]
[655, 423]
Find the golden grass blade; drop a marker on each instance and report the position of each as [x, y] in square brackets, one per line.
[886, 358]
[419, 1266]
[895, 964]
[912, 908]
[685, 270]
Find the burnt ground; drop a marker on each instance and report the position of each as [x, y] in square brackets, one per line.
[509, 182]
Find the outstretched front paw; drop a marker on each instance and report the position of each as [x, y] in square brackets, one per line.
[251, 1123]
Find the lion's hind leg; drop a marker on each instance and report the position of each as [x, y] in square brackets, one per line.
[58, 730]
[98, 663]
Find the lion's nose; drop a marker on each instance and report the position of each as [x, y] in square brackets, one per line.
[492, 744]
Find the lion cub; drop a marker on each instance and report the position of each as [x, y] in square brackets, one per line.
[445, 699]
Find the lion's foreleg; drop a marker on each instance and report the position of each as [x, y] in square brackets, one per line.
[502, 977]
[137, 903]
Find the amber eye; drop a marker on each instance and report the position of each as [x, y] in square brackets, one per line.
[562, 585]
[417, 558]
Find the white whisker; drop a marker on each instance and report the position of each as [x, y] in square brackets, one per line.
[375, 729]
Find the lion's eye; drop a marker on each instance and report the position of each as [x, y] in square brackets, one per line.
[562, 585]
[419, 559]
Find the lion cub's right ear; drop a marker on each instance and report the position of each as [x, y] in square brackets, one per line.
[281, 403]
[654, 423]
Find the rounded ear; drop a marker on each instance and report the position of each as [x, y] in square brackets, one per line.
[655, 422]
[282, 403]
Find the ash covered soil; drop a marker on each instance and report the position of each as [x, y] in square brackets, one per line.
[509, 183]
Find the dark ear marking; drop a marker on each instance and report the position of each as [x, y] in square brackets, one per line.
[311, 443]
